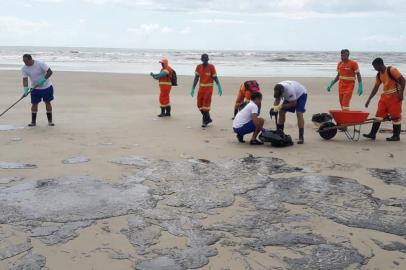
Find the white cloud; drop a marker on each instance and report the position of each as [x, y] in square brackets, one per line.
[264, 6]
[16, 26]
[151, 29]
[218, 21]
[186, 30]
[384, 39]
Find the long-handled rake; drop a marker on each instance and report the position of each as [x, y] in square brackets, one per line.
[15, 103]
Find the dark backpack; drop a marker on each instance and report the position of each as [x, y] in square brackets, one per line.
[174, 78]
[390, 75]
[252, 86]
[277, 138]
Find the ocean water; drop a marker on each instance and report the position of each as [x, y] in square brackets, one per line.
[228, 63]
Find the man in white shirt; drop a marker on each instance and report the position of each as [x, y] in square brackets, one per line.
[42, 89]
[247, 121]
[294, 97]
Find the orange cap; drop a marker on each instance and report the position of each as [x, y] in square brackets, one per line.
[164, 61]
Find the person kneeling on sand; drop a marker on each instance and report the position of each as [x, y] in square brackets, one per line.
[247, 121]
[294, 97]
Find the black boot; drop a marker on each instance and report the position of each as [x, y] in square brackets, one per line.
[33, 120]
[280, 126]
[301, 136]
[204, 119]
[374, 130]
[208, 119]
[168, 111]
[396, 134]
[162, 112]
[49, 116]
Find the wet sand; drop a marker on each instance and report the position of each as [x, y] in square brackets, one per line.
[102, 117]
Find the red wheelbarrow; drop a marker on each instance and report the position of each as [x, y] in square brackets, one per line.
[349, 122]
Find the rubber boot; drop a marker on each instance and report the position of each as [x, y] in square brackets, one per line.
[301, 136]
[168, 111]
[33, 120]
[162, 112]
[396, 134]
[49, 116]
[374, 130]
[280, 126]
[204, 119]
[208, 119]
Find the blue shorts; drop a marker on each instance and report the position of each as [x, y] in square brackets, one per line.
[300, 105]
[37, 95]
[245, 129]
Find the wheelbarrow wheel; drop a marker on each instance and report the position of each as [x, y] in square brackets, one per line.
[329, 133]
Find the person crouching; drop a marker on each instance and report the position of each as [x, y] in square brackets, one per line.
[247, 121]
[294, 96]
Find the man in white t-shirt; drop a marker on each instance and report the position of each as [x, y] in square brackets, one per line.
[294, 97]
[41, 87]
[247, 121]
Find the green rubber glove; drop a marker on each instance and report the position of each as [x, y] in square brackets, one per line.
[26, 91]
[219, 89]
[330, 85]
[154, 76]
[192, 92]
[41, 82]
[360, 89]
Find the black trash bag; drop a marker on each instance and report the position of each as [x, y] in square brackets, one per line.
[277, 138]
[321, 118]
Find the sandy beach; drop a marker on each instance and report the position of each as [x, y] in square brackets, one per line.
[104, 117]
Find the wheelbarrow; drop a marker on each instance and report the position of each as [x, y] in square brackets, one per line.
[349, 122]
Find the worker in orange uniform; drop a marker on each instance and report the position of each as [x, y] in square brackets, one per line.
[346, 71]
[390, 103]
[206, 73]
[165, 86]
[244, 95]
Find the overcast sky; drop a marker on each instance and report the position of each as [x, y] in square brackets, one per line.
[362, 25]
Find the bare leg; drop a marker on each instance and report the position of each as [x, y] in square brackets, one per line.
[258, 128]
[281, 120]
[300, 120]
[34, 108]
[300, 125]
[48, 106]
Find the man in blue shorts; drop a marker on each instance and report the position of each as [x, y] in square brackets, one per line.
[294, 97]
[247, 121]
[42, 89]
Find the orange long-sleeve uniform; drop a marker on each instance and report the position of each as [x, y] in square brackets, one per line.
[165, 85]
[243, 96]
[389, 104]
[347, 75]
[206, 77]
